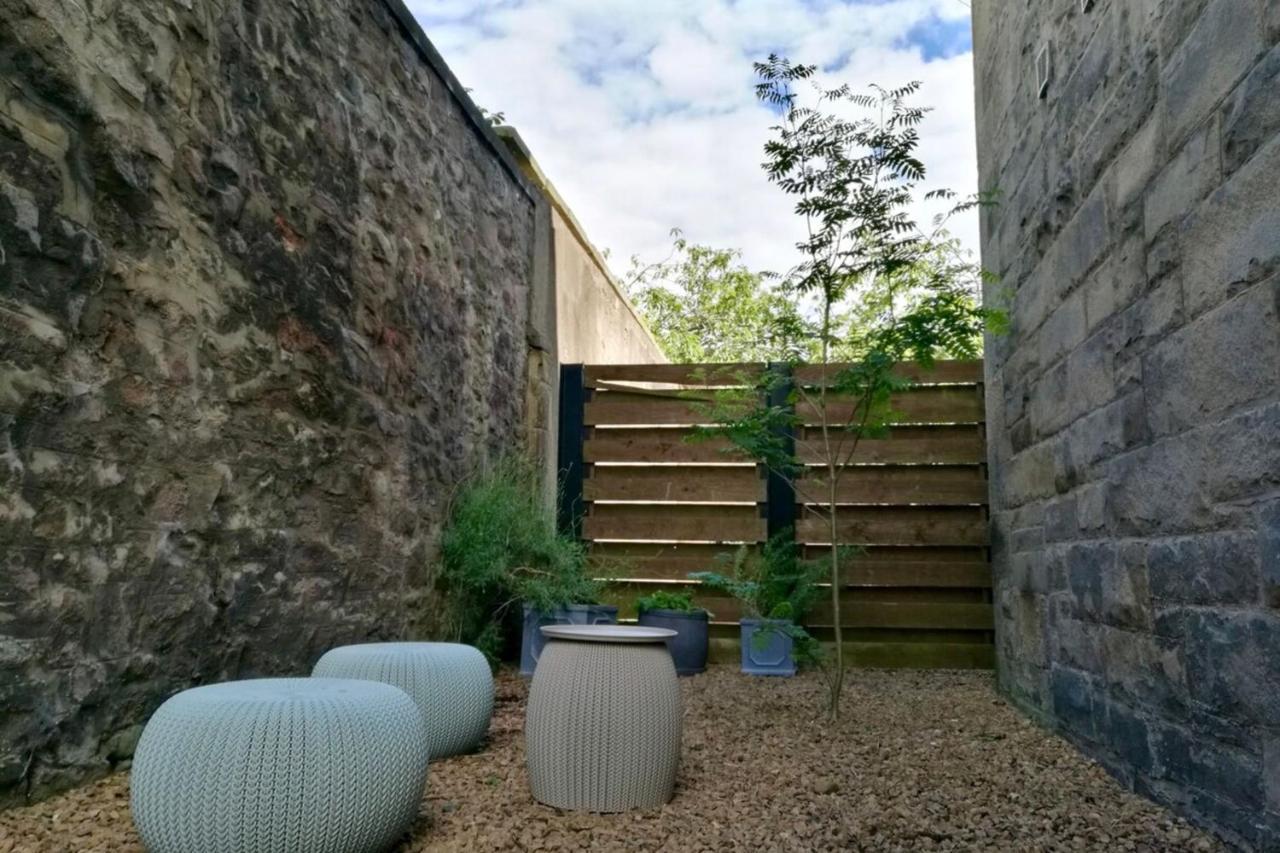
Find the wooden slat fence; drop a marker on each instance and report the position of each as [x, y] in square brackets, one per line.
[655, 506]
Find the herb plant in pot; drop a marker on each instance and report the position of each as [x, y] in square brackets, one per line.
[775, 588]
[676, 610]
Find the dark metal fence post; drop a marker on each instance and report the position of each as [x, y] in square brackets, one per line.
[570, 467]
[780, 509]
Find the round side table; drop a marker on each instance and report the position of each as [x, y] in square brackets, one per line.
[602, 729]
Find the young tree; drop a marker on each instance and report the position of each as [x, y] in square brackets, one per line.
[704, 305]
[884, 291]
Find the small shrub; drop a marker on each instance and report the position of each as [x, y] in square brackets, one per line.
[500, 547]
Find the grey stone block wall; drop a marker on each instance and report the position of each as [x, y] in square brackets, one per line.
[1134, 407]
[265, 283]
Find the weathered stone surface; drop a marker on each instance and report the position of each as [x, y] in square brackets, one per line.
[1271, 772]
[1074, 701]
[1220, 49]
[1233, 664]
[1211, 365]
[1251, 117]
[1269, 553]
[264, 289]
[1141, 194]
[1128, 736]
[1233, 240]
[1214, 568]
[1193, 172]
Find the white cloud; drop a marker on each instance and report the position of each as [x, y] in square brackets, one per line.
[642, 113]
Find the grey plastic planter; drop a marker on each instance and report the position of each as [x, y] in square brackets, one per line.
[689, 646]
[532, 641]
[766, 649]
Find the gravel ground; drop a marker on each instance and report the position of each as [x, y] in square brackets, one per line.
[920, 761]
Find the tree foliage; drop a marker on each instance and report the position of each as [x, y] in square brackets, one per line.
[885, 291]
[704, 305]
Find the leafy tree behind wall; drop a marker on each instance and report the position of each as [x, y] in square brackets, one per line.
[704, 305]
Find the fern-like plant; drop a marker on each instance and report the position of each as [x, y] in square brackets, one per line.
[773, 583]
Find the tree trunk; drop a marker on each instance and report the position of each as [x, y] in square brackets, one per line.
[837, 677]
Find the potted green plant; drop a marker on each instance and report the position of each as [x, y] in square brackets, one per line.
[676, 611]
[776, 588]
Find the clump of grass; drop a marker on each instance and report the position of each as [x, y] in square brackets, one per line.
[500, 547]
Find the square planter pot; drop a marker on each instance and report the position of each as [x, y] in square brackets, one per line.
[689, 646]
[766, 648]
[532, 641]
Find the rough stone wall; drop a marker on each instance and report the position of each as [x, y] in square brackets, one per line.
[264, 286]
[1135, 406]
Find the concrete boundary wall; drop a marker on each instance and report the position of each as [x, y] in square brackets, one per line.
[596, 322]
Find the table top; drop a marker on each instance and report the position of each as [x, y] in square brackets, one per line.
[607, 633]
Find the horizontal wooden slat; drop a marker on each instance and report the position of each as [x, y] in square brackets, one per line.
[825, 634]
[948, 372]
[894, 554]
[859, 609]
[874, 567]
[615, 392]
[674, 523]
[919, 445]
[897, 485]
[941, 405]
[952, 615]
[671, 570]
[627, 409]
[658, 561]
[921, 405]
[675, 374]
[858, 572]
[657, 445]
[628, 589]
[883, 614]
[898, 526]
[712, 484]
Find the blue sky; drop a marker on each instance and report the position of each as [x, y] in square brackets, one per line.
[641, 112]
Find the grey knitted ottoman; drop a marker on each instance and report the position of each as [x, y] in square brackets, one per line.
[602, 730]
[450, 682]
[279, 765]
